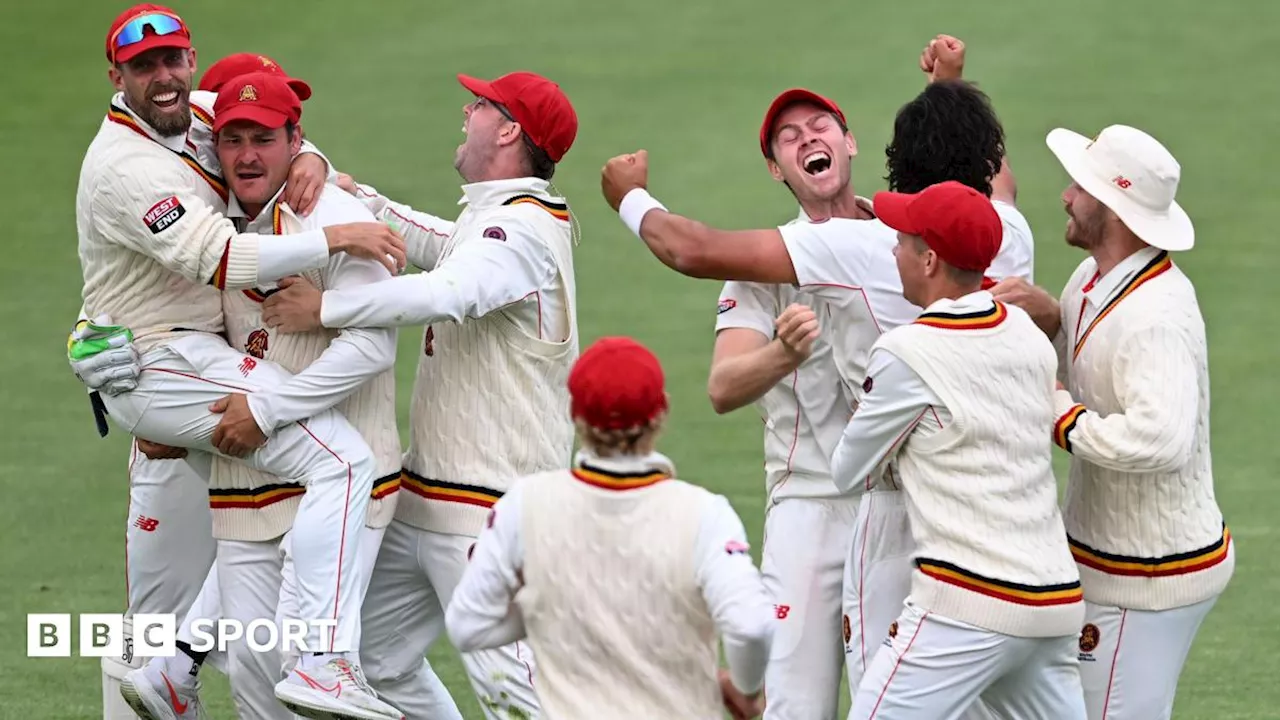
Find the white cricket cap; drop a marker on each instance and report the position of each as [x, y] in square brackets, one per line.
[1131, 173]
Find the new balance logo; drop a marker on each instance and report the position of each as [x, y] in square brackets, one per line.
[146, 524]
[247, 365]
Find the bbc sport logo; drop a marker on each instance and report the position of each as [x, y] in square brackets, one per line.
[102, 635]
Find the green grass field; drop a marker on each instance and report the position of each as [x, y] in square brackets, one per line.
[689, 82]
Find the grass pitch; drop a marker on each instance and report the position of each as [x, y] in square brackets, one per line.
[689, 82]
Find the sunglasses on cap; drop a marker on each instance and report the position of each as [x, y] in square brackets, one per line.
[134, 30]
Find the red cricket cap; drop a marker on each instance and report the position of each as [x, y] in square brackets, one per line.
[617, 384]
[243, 64]
[261, 97]
[152, 37]
[955, 221]
[538, 104]
[786, 99]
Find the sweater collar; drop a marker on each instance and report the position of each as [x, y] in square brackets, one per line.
[492, 193]
[622, 472]
[1100, 289]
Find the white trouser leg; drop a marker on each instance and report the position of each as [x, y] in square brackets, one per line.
[249, 578]
[935, 668]
[169, 544]
[401, 620]
[803, 562]
[877, 577]
[170, 406]
[502, 677]
[1130, 660]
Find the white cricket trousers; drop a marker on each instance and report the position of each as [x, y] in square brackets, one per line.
[413, 581]
[877, 581]
[1130, 660]
[935, 668]
[171, 406]
[806, 544]
[169, 545]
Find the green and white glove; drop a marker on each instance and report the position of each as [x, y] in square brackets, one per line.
[103, 357]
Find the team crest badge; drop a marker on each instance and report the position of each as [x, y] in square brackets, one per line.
[495, 233]
[726, 305]
[266, 62]
[867, 384]
[893, 629]
[848, 630]
[256, 345]
[429, 342]
[1090, 636]
[248, 94]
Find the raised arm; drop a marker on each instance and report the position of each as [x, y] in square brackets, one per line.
[424, 234]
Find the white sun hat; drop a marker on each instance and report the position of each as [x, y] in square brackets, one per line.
[1131, 173]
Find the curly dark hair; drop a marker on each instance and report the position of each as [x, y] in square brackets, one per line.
[948, 132]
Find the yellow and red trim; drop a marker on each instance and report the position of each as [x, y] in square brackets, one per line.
[1161, 264]
[386, 486]
[448, 492]
[1065, 424]
[252, 498]
[981, 320]
[617, 481]
[1179, 564]
[559, 211]
[1034, 595]
[120, 117]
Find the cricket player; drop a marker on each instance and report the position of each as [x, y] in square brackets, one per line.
[995, 597]
[145, 222]
[168, 547]
[1134, 415]
[620, 575]
[257, 136]
[490, 399]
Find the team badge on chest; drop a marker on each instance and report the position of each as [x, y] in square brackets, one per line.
[429, 342]
[256, 345]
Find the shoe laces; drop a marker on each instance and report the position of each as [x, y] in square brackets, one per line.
[348, 674]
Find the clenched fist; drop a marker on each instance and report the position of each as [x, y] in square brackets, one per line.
[797, 329]
[622, 174]
[943, 58]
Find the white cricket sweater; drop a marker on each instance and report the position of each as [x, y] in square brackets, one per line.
[154, 248]
[248, 504]
[1144, 525]
[491, 397]
[613, 601]
[981, 494]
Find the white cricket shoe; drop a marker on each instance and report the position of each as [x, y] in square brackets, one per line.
[336, 690]
[153, 696]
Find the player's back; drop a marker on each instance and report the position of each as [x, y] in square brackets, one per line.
[611, 599]
[130, 191]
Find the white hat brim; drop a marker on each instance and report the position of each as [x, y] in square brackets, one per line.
[1172, 230]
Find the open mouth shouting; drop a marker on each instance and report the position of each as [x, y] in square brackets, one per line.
[166, 99]
[816, 162]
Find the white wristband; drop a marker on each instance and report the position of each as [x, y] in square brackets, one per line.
[635, 205]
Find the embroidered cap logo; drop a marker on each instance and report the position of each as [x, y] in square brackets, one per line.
[248, 94]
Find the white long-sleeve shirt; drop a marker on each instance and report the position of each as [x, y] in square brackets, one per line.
[356, 354]
[895, 403]
[501, 264]
[483, 612]
[424, 234]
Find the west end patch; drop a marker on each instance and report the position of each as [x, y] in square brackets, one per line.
[163, 214]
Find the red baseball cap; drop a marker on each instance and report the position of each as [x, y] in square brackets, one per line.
[538, 104]
[617, 384]
[142, 28]
[955, 221]
[786, 99]
[243, 64]
[261, 97]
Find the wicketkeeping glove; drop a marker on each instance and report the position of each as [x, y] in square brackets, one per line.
[103, 357]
